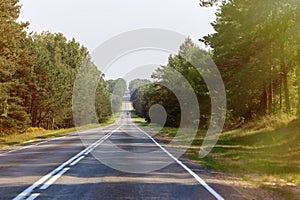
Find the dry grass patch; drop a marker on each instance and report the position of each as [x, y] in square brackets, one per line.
[35, 134]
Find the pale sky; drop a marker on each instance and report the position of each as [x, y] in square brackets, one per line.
[92, 22]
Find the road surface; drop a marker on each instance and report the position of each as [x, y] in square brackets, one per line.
[88, 166]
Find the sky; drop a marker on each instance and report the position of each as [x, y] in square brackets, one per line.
[92, 22]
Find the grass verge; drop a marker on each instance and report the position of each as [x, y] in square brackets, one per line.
[38, 134]
[266, 158]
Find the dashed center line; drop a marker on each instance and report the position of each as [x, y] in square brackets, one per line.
[60, 170]
[33, 196]
[46, 181]
[76, 161]
[54, 178]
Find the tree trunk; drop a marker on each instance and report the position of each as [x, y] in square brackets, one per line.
[298, 81]
[270, 92]
[286, 92]
[53, 122]
[280, 95]
[264, 101]
[270, 98]
[33, 116]
[298, 107]
[284, 74]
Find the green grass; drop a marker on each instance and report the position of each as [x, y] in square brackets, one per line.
[139, 121]
[38, 134]
[273, 153]
[268, 157]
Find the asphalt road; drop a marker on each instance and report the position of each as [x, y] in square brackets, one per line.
[115, 162]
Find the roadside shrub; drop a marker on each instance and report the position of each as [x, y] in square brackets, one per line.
[35, 129]
[269, 122]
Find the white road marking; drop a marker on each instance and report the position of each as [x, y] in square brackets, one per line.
[33, 145]
[200, 180]
[28, 190]
[77, 161]
[59, 171]
[33, 196]
[54, 178]
[100, 141]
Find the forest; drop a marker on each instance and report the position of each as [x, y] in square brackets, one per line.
[256, 47]
[37, 74]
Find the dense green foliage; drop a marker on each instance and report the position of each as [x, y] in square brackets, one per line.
[256, 47]
[117, 89]
[151, 94]
[134, 85]
[158, 93]
[37, 74]
[90, 99]
[14, 55]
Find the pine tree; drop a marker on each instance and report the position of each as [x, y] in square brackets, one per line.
[13, 67]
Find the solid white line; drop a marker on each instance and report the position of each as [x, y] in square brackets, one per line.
[28, 190]
[200, 180]
[92, 147]
[101, 141]
[76, 161]
[54, 178]
[33, 196]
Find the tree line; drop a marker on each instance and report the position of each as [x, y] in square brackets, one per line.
[37, 74]
[256, 47]
[117, 89]
[177, 77]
